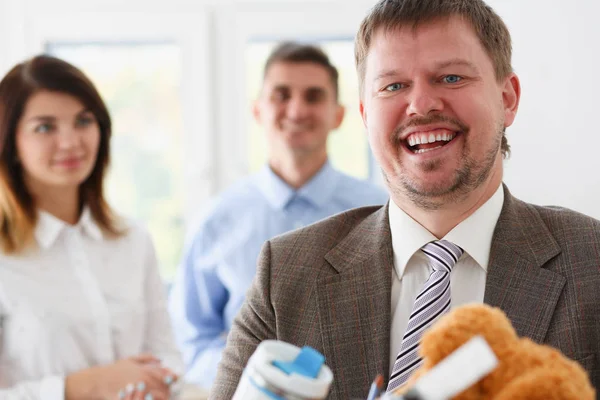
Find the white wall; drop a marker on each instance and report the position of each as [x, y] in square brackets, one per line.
[555, 139]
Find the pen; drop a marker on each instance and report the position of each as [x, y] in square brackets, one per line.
[375, 387]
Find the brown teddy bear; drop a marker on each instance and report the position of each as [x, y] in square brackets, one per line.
[525, 370]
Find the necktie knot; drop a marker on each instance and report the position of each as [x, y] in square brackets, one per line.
[442, 254]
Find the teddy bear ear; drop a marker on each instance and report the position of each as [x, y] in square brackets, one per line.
[460, 325]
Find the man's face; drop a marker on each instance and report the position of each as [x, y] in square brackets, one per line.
[298, 108]
[435, 112]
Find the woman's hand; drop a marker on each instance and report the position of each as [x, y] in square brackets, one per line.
[106, 382]
[141, 392]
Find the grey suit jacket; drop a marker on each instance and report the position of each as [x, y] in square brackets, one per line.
[329, 286]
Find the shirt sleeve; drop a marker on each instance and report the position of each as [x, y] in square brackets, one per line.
[197, 302]
[49, 388]
[255, 322]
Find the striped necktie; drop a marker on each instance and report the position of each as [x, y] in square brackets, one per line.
[432, 302]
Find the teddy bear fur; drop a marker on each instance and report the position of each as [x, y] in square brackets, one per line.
[526, 370]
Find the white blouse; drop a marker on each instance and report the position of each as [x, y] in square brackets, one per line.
[76, 301]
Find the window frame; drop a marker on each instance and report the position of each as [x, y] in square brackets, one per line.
[191, 31]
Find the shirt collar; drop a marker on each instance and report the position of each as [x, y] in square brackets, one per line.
[48, 227]
[474, 234]
[318, 190]
[408, 236]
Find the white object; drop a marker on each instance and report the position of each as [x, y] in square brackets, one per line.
[261, 376]
[457, 372]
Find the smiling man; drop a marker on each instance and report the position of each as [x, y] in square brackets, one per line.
[298, 108]
[437, 94]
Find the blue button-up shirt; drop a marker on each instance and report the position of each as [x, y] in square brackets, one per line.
[219, 262]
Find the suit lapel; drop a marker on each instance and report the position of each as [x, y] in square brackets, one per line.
[354, 306]
[517, 281]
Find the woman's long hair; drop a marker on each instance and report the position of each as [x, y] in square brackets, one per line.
[18, 214]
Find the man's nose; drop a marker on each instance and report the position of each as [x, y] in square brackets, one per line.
[422, 100]
[297, 108]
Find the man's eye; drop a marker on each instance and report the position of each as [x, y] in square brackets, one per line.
[312, 98]
[452, 79]
[393, 87]
[280, 96]
[44, 128]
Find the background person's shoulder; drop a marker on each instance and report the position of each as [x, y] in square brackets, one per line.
[222, 213]
[320, 237]
[361, 192]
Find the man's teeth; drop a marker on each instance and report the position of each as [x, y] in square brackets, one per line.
[424, 138]
[425, 150]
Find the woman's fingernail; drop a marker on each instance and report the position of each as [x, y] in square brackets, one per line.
[168, 379]
[121, 394]
[148, 396]
[141, 386]
[129, 388]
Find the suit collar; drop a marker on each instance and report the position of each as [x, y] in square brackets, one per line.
[370, 237]
[517, 281]
[521, 227]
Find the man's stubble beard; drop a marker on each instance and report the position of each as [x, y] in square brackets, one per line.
[468, 177]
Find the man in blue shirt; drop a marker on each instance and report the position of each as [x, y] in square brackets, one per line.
[298, 108]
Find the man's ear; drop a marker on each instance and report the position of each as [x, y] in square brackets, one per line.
[511, 95]
[340, 112]
[256, 111]
[363, 113]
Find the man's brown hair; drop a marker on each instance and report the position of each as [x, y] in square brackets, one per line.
[292, 52]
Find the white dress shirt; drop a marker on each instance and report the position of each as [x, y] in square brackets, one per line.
[78, 300]
[411, 268]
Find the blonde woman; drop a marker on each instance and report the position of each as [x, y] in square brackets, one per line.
[82, 308]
